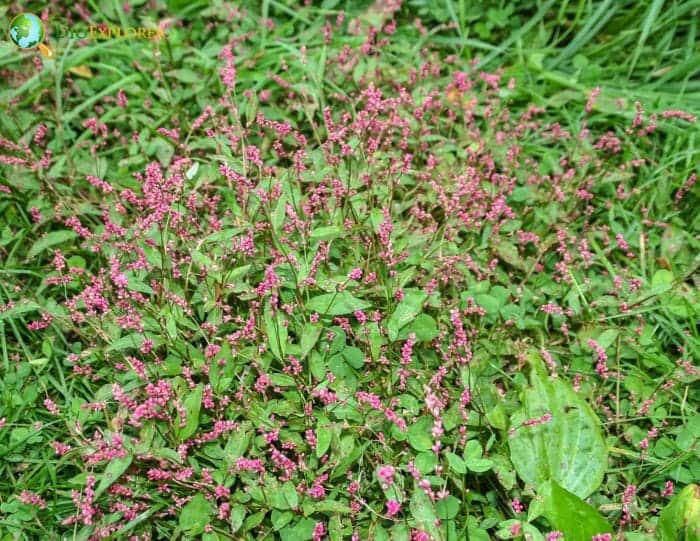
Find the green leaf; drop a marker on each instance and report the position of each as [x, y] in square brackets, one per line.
[195, 515]
[186, 76]
[447, 508]
[473, 457]
[112, 472]
[282, 380]
[325, 506]
[284, 497]
[569, 448]
[51, 239]
[19, 309]
[354, 357]
[301, 531]
[336, 304]
[309, 337]
[426, 461]
[192, 404]
[409, 307]
[423, 326]
[569, 514]
[324, 435]
[326, 233]
[456, 463]
[280, 519]
[423, 513]
[276, 333]
[661, 282]
[420, 434]
[680, 519]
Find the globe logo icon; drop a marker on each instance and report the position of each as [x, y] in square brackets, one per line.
[26, 31]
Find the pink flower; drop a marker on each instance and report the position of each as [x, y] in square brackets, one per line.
[355, 274]
[392, 508]
[386, 475]
[668, 489]
[319, 531]
[517, 506]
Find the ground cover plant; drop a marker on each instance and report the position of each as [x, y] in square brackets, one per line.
[403, 270]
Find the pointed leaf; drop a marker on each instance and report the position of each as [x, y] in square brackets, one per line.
[336, 304]
[51, 239]
[406, 311]
[112, 472]
[195, 515]
[192, 404]
[423, 513]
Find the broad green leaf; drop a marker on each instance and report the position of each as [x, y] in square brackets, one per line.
[400, 532]
[192, 404]
[569, 448]
[447, 508]
[112, 472]
[186, 76]
[325, 506]
[426, 461]
[354, 357]
[301, 531]
[282, 380]
[276, 333]
[19, 309]
[527, 531]
[376, 340]
[196, 514]
[279, 214]
[569, 514]
[326, 233]
[336, 304]
[456, 463]
[253, 520]
[680, 519]
[222, 375]
[409, 307]
[133, 340]
[324, 435]
[473, 457]
[280, 519]
[423, 512]
[284, 497]
[309, 337]
[423, 326]
[420, 434]
[51, 239]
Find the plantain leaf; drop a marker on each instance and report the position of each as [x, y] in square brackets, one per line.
[569, 514]
[680, 519]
